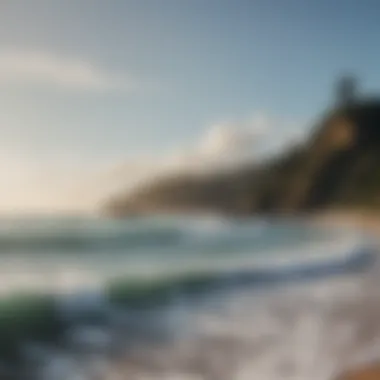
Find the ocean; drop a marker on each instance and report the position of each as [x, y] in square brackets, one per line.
[179, 297]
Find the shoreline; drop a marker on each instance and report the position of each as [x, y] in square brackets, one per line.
[368, 223]
[324, 309]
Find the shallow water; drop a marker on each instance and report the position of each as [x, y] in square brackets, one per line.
[66, 253]
[190, 298]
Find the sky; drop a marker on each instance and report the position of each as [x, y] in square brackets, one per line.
[97, 94]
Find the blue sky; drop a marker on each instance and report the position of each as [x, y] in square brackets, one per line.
[92, 83]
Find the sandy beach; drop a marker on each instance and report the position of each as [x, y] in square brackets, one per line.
[365, 221]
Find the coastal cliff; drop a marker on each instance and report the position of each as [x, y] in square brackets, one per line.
[337, 167]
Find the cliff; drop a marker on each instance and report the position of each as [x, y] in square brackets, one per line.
[339, 166]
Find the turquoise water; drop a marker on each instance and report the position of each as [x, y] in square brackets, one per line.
[70, 281]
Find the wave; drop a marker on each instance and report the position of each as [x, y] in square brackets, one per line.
[193, 234]
[73, 240]
[47, 318]
[148, 293]
[220, 257]
[81, 235]
[157, 291]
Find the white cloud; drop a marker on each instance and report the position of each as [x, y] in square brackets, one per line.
[38, 67]
[232, 138]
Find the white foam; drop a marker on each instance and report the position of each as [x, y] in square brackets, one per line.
[66, 274]
[300, 332]
[293, 334]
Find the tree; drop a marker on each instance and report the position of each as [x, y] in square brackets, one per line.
[346, 91]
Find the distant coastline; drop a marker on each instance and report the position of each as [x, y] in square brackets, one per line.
[337, 168]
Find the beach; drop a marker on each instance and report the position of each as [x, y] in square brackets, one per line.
[367, 311]
[215, 298]
[319, 330]
[315, 331]
[366, 221]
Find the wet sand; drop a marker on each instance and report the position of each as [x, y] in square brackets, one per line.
[368, 311]
[315, 331]
[366, 221]
[371, 372]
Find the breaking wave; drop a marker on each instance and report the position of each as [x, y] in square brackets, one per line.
[114, 286]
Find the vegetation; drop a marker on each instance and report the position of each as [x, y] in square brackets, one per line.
[337, 167]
